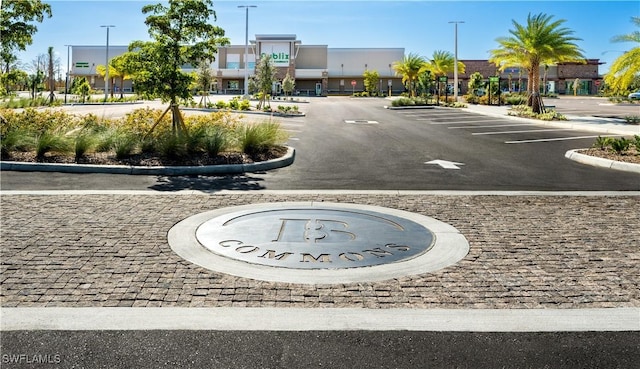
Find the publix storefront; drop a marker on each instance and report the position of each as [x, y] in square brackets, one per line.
[317, 69]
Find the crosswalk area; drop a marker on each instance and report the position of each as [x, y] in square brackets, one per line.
[503, 129]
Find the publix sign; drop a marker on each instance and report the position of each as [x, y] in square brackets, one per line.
[279, 53]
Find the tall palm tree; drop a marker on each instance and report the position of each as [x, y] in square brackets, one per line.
[540, 40]
[113, 73]
[625, 68]
[122, 69]
[442, 63]
[51, 78]
[409, 68]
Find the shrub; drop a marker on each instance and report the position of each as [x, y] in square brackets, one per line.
[471, 99]
[256, 138]
[16, 140]
[409, 101]
[172, 146]
[632, 119]
[46, 142]
[244, 105]
[619, 145]
[234, 104]
[215, 140]
[515, 99]
[123, 143]
[84, 143]
[602, 143]
[527, 112]
[221, 104]
[636, 142]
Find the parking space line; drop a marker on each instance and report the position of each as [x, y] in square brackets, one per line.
[556, 139]
[464, 122]
[498, 125]
[526, 131]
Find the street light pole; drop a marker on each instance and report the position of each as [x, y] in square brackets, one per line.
[106, 78]
[66, 81]
[246, 49]
[455, 60]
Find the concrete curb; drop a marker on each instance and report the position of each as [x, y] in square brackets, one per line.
[325, 319]
[284, 161]
[601, 162]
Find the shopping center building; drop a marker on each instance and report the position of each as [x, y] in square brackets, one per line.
[320, 70]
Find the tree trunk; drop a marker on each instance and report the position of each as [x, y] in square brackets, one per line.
[535, 100]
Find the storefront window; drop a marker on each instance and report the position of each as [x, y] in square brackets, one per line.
[233, 85]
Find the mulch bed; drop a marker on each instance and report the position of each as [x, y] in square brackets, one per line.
[630, 156]
[151, 160]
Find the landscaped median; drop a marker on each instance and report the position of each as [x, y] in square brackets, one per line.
[283, 161]
[576, 155]
[144, 142]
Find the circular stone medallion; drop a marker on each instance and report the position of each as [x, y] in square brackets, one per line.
[316, 242]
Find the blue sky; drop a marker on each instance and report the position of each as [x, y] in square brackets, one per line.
[419, 26]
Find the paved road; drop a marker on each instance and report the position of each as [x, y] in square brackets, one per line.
[356, 144]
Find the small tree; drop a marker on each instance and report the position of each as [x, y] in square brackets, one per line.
[371, 81]
[288, 84]
[34, 81]
[203, 82]
[476, 82]
[182, 33]
[264, 78]
[81, 87]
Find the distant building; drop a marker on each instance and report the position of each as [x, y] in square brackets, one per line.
[559, 78]
[317, 69]
[320, 70]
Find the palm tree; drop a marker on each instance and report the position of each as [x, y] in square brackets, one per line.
[442, 63]
[113, 73]
[410, 67]
[51, 78]
[122, 69]
[625, 68]
[541, 40]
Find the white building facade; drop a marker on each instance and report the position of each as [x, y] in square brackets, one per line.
[317, 69]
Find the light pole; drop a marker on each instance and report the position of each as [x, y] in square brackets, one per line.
[66, 81]
[246, 48]
[106, 77]
[455, 60]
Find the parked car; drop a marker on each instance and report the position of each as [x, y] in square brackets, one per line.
[634, 95]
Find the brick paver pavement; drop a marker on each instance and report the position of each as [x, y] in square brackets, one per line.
[525, 252]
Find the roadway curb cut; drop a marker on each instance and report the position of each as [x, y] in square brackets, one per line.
[600, 162]
[283, 161]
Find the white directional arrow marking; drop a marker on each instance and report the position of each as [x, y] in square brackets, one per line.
[445, 164]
